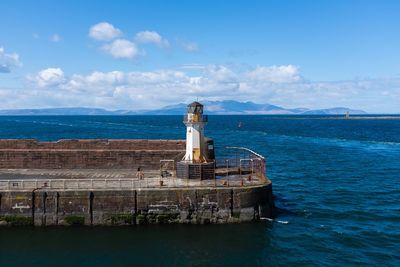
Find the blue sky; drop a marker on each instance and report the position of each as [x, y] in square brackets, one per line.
[145, 54]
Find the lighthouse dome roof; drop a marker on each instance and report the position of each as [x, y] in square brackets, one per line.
[195, 104]
[195, 108]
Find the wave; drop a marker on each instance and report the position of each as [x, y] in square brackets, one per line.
[366, 145]
[327, 140]
[274, 220]
[45, 123]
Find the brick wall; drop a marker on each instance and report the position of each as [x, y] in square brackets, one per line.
[136, 144]
[16, 154]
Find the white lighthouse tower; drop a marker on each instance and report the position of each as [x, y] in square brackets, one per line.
[199, 159]
[195, 145]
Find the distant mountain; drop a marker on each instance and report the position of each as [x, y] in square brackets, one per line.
[234, 107]
[333, 111]
[227, 107]
[178, 109]
[57, 111]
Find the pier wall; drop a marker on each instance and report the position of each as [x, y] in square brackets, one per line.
[129, 207]
[69, 154]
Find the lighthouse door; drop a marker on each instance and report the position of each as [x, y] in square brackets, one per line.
[196, 154]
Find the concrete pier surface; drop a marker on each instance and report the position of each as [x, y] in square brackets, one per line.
[91, 182]
[22, 180]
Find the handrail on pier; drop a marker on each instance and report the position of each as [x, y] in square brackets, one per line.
[118, 184]
[247, 150]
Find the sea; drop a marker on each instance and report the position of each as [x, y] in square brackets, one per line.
[336, 184]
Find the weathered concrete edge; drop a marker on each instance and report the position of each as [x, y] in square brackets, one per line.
[140, 206]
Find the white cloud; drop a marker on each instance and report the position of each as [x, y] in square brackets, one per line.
[104, 31]
[146, 37]
[275, 74]
[55, 38]
[8, 61]
[122, 49]
[191, 47]
[117, 48]
[153, 89]
[50, 77]
[220, 73]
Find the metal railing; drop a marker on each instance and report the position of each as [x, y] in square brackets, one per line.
[167, 168]
[246, 162]
[65, 184]
[122, 184]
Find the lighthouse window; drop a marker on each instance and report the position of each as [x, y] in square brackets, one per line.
[195, 109]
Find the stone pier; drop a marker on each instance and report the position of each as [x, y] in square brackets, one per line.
[141, 206]
[94, 182]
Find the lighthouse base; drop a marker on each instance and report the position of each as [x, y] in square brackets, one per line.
[202, 171]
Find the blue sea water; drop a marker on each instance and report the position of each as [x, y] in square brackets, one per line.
[336, 185]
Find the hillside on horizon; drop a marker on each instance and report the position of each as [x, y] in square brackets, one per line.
[226, 107]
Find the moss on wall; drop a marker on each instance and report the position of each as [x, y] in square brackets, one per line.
[74, 220]
[122, 218]
[16, 220]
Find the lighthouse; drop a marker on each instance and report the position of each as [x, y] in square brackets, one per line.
[198, 162]
[195, 122]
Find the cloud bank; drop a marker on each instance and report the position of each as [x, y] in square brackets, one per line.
[51, 77]
[280, 85]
